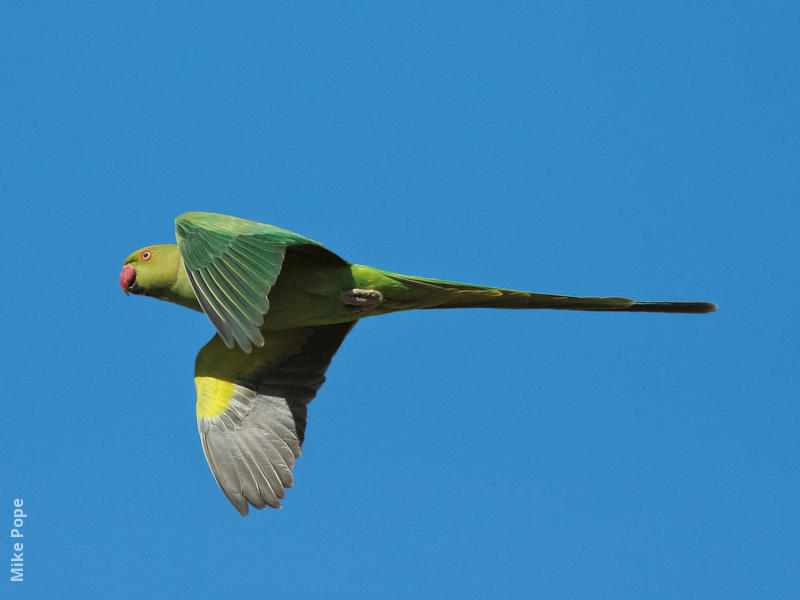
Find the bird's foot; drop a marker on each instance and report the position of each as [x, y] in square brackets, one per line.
[358, 301]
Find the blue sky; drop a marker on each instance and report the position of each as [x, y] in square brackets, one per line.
[633, 150]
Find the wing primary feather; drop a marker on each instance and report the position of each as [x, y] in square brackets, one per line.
[264, 491]
[244, 477]
[209, 296]
[232, 301]
[223, 476]
[283, 469]
[211, 311]
[252, 260]
[230, 293]
[246, 291]
[272, 444]
[201, 290]
[268, 257]
[282, 448]
[246, 269]
[232, 324]
[265, 466]
[278, 464]
[291, 435]
[279, 412]
[248, 478]
[219, 294]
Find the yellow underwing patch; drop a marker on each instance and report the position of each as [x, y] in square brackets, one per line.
[213, 396]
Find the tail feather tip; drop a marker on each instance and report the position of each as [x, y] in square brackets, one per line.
[674, 307]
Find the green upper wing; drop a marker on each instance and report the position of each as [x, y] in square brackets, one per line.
[232, 264]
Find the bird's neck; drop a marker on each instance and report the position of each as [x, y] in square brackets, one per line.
[181, 291]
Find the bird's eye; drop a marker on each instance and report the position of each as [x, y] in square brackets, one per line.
[146, 255]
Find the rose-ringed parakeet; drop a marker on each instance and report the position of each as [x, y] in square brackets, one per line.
[282, 304]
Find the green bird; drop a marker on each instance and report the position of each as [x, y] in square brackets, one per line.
[282, 304]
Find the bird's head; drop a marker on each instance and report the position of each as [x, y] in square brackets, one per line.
[151, 271]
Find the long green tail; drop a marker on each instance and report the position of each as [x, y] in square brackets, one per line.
[450, 294]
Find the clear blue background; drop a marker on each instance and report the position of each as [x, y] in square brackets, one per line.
[607, 149]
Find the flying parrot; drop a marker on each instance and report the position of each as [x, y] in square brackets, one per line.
[282, 304]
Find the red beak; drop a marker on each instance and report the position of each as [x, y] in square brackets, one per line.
[126, 277]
